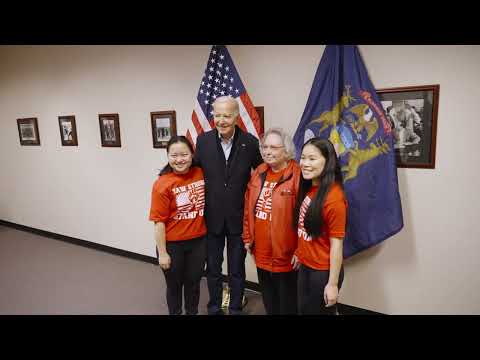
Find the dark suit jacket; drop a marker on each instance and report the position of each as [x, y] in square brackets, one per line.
[226, 182]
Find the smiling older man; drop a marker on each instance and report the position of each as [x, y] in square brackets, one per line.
[227, 155]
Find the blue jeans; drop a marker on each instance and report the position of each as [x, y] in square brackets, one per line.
[236, 271]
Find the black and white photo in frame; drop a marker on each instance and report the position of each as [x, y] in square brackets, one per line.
[412, 112]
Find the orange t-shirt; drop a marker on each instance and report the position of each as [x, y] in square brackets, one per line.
[178, 201]
[263, 215]
[315, 253]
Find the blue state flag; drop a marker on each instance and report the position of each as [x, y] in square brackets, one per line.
[344, 108]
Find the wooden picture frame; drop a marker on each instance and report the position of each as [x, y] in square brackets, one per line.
[413, 112]
[110, 130]
[68, 130]
[28, 131]
[260, 112]
[164, 126]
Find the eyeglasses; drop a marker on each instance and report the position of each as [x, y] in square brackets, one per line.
[265, 147]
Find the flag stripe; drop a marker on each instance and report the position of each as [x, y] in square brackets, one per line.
[247, 120]
[241, 124]
[191, 139]
[202, 119]
[196, 123]
[247, 103]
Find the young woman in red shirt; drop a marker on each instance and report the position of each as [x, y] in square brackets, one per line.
[177, 207]
[321, 216]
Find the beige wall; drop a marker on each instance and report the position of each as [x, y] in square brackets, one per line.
[102, 194]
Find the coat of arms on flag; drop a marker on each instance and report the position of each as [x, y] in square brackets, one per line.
[351, 125]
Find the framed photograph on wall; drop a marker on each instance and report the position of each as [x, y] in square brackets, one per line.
[412, 112]
[164, 126]
[110, 130]
[68, 130]
[260, 112]
[28, 131]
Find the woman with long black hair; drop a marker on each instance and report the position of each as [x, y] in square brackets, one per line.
[320, 213]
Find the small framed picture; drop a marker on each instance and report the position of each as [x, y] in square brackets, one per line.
[110, 130]
[260, 110]
[28, 131]
[164, 126]
[412, 112]
[68, 130]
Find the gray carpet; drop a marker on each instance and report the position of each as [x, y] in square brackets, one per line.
[39, 275]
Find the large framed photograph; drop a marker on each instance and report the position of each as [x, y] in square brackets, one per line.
[412, 112]
[68, 130]
[110, 130]
[164, 126]
[28, 131]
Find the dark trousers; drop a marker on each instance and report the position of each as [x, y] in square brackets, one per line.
[279, 292]
[236, 271]
[311, 285]
[185, 272]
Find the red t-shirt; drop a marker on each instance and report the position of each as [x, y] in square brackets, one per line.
[315, 253]
[263, 214]
[178, 201]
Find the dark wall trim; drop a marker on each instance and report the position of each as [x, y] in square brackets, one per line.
[85, 243]
[250, 285]
[342, 308]
[352, 310]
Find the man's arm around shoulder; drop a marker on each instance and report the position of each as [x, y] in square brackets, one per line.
[197, 159]
[257, 157]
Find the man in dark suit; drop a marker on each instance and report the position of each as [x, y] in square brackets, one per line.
[227, 156]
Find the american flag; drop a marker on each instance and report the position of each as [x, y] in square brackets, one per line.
[192, 199]
[221, 78]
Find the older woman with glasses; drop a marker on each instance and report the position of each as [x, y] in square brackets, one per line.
[268, 230]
